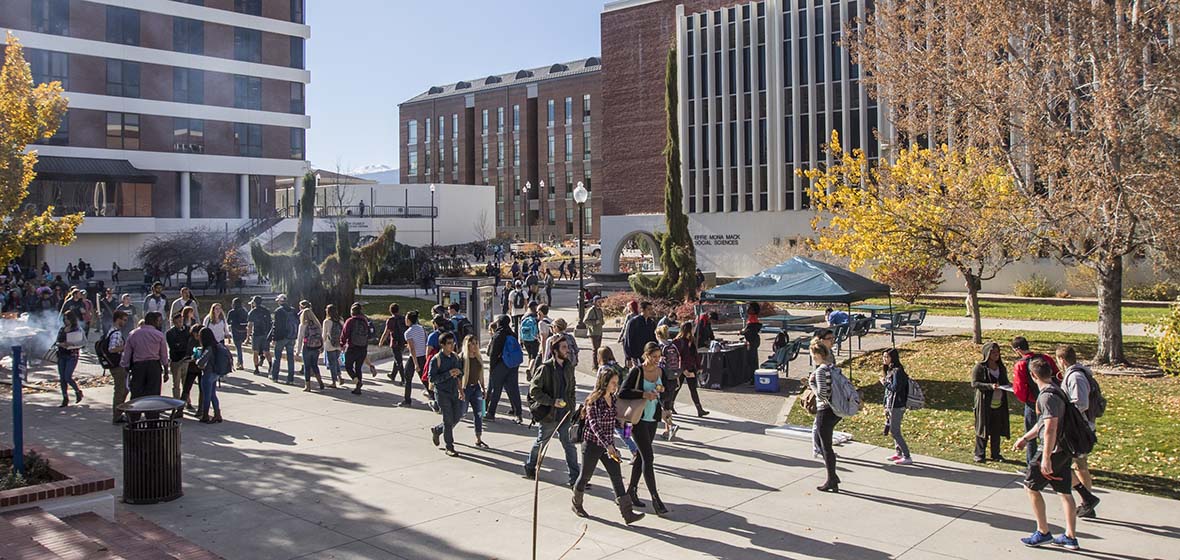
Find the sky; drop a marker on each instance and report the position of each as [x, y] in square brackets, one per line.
[366, 56]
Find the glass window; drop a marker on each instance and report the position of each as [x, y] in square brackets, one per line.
[51, 16]
[569, 184]
[552, 185]
[588, 220]
[252, 7]
[516, 152]
[188, 35]
[412, 132]
[248, 92]
[552, 148]
[188, 85]
[485, 122]
[428, 135]
[296, 52]
[552, 216]
[499, 120]
[188, 135]
[297, 11]
[413, 161]
[516, 118]
[569, 219]
[500, 153]
[49, 66]
[569, 146]
[297, 103]
[586, 177]
[485, 157]
[122, 78]
[247, 44]
[248, 138]
[61, 136]
[586, 145]
[454, 125]
[551, 113]
[586, 108]
[122, 25]
[123, 131]
[569, 111]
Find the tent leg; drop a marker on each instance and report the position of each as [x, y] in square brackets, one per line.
[892, 340]
[850, 342]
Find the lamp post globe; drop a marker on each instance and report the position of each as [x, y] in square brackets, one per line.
[581, 195]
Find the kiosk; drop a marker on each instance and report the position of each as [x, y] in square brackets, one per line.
[475, 295]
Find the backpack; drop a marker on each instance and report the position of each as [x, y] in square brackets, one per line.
[518, 300]
[225, 363]
[512, 355]
[360, 333]
[671, 357]
[1074, 432]
[292, 324]
[463, 329]
[528, 328]
[1097, 401]
[915, 398]
[335, 331]
[846, 400]
[102, 350]
[313, 337]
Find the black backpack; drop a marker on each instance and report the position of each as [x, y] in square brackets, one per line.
[518, 300]
[1097, 401]
[1075, 434]
[463, 329]
[102, 350]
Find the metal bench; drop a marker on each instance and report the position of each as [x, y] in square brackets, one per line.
[781, 360]
[861, 327]
[906, 319]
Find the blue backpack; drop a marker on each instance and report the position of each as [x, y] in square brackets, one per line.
[528, 328]
[512, 354]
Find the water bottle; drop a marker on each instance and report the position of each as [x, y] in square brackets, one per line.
[483, 407]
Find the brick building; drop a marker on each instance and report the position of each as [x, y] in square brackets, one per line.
[181, 115]
[508, 131]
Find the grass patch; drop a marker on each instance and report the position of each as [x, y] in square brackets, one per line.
[1029, 311]
[1138, 443]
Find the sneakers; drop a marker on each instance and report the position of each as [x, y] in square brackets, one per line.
[903, 461]
[1038, 538]
[1086, 510]
[1066, 542]
[672, 432]
[893, 458]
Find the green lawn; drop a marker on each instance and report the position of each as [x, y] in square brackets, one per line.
[1030, 311]
[1138, 443]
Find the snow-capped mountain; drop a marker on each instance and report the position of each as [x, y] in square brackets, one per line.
[379, 172]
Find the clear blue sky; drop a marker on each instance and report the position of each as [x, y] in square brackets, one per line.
[366, 56]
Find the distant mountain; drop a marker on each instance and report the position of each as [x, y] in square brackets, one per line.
[381, 173]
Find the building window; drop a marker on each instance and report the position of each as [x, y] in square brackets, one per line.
[569, 111]
[552, 147]
[252, 7]
[61, 136]
[248, 92]
[188, 35]
[485, 158]
[297, 141]
[122, 78]
[569, 146]
[586, 145]
[569, 185]
[188, 135]
[499, 120]
[122, 25]
[484, 114]
[413, 157]
[516, 118]
[297, 52]
[49, 66]
[552, 186]
[569, 219]
[247, 44]
[248, 138]
[412, 133]
[589, 224]
[552, 216]
[586, 177]
[188, 85]
[500, 153]
[516, 152]
[297, 11]
[123, 131]
[427, 121]
[297, 104]
[551, 115]
[51, 16]
[586, 108]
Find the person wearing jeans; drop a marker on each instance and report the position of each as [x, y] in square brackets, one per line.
[415, 337]
[503, 378]
[213, 359]
[472, 387]
[1026, 389]
[551, 398]
[820, 383]
[311, 342]
[283, 332]
[332, 330]
[69, 342]
[355, 340]
[445, 369]
[897, 387]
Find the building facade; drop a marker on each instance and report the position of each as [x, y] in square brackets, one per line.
[761, 85]
[181, 115]
[510, 132]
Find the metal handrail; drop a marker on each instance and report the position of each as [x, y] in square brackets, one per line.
[357, 211]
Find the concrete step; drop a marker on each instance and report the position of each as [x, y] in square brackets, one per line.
[118, 540]
[19, 544]
[166, 540]
[62, 540]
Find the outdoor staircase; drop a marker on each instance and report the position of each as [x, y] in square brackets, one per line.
[36, 534]
[254, 228]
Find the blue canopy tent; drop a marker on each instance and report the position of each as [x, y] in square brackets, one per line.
[802, 280]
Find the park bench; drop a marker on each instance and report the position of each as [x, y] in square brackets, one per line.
[781, 360]
[860, 327]
[906, 319]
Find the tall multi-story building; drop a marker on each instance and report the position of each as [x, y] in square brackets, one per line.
[761, 84]
[509, 131]
[181, 115]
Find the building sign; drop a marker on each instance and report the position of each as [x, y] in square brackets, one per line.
[723, 239]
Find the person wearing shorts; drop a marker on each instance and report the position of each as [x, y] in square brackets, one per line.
[1053, 471]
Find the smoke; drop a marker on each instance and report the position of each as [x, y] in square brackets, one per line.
[34, 333]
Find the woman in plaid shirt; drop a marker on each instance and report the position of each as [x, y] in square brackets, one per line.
[599, 416]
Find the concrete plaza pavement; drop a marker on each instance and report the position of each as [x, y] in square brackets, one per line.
[308, 475]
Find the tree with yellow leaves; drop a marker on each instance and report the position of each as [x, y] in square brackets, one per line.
[27, 114]
[930, 207]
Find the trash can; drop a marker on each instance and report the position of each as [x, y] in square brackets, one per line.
[766, 381]
[151, 450]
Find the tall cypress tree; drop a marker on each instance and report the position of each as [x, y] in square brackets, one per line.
[677, 254]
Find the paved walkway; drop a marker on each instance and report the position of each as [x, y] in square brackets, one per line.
[307, 475]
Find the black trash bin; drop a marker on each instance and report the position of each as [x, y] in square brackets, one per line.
[151, 450]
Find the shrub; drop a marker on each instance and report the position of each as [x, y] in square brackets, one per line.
[1081, 280]
[1158, 291]
[1036, 286]
[37, 471]
[1167, 340]
[910, 280]
[615, 305]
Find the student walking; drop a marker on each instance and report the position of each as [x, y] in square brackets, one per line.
[133, 315]
[471, 387]
[990, 404]
[215, 361]
[180, 351]
[309, 343]
[820, 382]
[606, 357]
[238, 327]
[355, 341]
[445, 369]
[186, 299]
[690, 363]
[331, 331]
[395, 337]
[639, 330]
[145, 355]
[594, 320]
[217, 322]
[1051, 465]
[529, 333]
[70, 339]
[114, 352]
[551, 396]
[1083, 391]
[415, 337]
[258, 330]
[503, 377]
[1025, 388]
[283, 331]
[156, 301]
[671, 364]
[897, 387]
[599, 415]
[646, 382]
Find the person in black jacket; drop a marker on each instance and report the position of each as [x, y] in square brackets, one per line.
[991, 403]
[897, 390]
[503, 378]
[646, 382]
[640, 330]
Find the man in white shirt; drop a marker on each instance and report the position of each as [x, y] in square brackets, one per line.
[185, 300]
[156, 301]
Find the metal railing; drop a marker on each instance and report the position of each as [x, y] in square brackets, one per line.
[358, 211]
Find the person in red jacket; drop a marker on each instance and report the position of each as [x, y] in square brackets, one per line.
[1026, 390]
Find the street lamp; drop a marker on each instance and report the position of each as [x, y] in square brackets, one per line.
[528, 185]
[433, 211]
[581, 195]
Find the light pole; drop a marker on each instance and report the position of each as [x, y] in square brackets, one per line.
[581, 195]
[528, 185]
[433, 211]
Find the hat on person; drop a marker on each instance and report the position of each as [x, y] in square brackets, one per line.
[281, 298]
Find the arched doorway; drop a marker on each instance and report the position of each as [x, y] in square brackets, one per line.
[638, 252]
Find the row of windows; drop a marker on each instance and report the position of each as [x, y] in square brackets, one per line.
[551, 218]
[254, 7]
[188, 35]
[123, 133]
[123, 80]
[569, 110]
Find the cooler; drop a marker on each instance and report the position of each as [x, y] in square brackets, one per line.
[766, 381]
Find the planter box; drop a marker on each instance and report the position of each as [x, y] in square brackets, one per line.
[76, 489]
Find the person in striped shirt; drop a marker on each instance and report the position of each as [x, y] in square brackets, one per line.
[415, 337]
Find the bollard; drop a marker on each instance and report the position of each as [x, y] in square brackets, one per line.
[18, 428]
